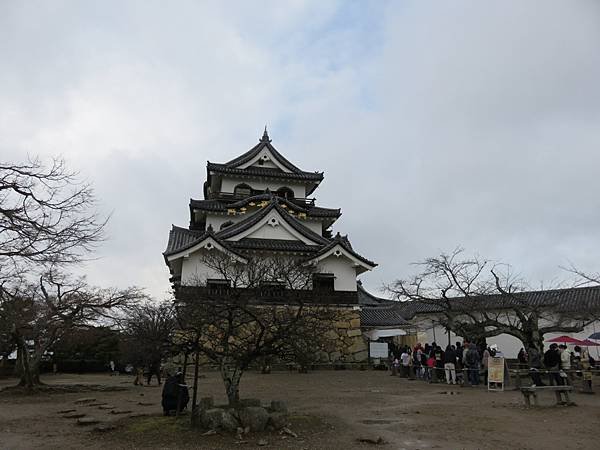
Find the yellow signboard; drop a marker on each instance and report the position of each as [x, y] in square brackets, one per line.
[495, 373]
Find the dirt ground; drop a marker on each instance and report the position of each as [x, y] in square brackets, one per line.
[329, 410]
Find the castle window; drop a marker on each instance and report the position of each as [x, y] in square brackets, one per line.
[217, 286]
[323, 282]
[272, 289]
[286, 193]
[242, 190]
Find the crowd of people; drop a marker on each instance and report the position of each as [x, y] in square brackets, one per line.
[467, 359]
[557, 361]
[432, 363]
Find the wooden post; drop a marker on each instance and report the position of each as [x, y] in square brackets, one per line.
[195, 396]
[185, 358]
[466, 380]
[527, 401]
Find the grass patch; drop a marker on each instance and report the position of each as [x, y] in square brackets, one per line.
[161, 424]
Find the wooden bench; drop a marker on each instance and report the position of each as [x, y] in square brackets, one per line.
[559, 391]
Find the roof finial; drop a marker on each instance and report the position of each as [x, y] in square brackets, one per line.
[265, 136]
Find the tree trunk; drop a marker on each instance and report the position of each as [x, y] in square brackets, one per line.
[195, 412]
[231, 379]
[534, 338]
[30, 370]
[30, 367]
[532, 335]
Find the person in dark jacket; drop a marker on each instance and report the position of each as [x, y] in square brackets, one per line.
[175, 395]
[438, 355]
[473, 360]
[535, 364]
[522, 358]
[552, 363]
[450, 364]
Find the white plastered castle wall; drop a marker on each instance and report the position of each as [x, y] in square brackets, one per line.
[195, 272]
[343, 270]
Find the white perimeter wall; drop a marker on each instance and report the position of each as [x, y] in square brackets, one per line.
[509, 345]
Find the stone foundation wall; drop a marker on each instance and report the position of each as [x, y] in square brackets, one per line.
[345, 342]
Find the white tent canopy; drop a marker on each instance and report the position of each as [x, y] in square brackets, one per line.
[373, 335]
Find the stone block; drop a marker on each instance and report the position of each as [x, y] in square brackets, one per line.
[278, 420]
[335, 356]
[212, 418]
[254, 417]
[358, 346]
[249, 402]
[342, 324]
[87, 421]
[354, 332]
[361, 356]
[229, 421]
[206, 403]
[355, 323]
[279, 406]
[332, 335]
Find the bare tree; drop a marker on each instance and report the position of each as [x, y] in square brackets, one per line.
[47, 215]
[476, 298]
[148, 332]
[39, 314]
[259, 311]
[583, 278]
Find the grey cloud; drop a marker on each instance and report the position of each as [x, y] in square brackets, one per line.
[436, 124]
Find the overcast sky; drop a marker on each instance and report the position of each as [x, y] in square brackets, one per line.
[437, 124]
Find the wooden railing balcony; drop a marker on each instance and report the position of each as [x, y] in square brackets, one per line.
[266, 295]
[232, 196]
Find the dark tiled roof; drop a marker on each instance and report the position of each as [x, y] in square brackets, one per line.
[378, 312]
[367, 299]
[273, 244]
[265, 172]
[345, 244]
[207, 205]
[216, 205]
[250, 154]
[258, 216]
[381, 316]
[181, 238]
[581, 299]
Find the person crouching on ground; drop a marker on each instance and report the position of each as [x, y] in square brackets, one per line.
[175, 395]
